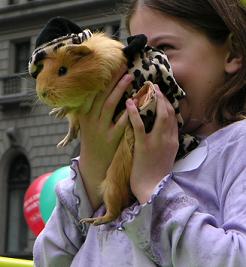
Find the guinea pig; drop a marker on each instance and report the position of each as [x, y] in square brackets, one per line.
[69, 76]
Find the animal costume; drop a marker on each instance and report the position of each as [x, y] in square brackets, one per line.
[72, 66]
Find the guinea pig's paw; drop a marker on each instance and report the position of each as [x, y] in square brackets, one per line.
[72, 134]
[59, 112]
[87, 220]
[96, 221]
[66, 140]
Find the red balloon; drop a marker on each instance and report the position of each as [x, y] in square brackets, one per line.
[31, 204]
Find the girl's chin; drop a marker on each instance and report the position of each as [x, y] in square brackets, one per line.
[200, 128]
[191, 123]
[194, 126]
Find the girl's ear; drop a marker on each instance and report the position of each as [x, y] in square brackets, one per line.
[234, 58]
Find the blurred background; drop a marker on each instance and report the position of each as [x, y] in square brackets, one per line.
[28, 135]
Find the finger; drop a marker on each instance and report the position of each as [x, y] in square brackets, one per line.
[98, 104]
[114, 98]
[102, 96]
[120, 125]
[118, 76]
[136, 121]
[94, 112]
[165, 114]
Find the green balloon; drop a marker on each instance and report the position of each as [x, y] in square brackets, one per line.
[47, 200]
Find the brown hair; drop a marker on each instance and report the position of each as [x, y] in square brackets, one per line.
[219, 20]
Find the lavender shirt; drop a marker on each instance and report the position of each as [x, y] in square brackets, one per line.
[196, 216]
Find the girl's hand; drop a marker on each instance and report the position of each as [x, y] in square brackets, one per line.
[155, 152]
[100, 137]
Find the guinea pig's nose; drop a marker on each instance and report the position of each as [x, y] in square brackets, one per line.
[44, 94]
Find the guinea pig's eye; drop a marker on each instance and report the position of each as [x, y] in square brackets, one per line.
[62, 71]
[39, 67]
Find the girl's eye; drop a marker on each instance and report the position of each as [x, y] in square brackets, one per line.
[165, 47]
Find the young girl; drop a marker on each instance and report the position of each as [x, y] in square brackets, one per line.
[188, 213]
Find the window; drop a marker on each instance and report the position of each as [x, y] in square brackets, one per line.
[116, 31]
[16, 2]
[13, 2]
[11, 85]
[22, 54]
[18, 181]
[14, 84]
[112, 30]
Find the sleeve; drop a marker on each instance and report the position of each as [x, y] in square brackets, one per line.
[57, 244]
[172, 230]
[63, 234]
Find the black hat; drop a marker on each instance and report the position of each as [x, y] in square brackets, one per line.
[55, 28]
[56, 33]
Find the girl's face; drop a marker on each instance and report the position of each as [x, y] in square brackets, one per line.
[198, 64]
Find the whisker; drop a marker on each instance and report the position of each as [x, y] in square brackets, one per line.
[26, 72]
[34, 105]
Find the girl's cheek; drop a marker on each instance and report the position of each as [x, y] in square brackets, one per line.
[178, 70]
[184, 109]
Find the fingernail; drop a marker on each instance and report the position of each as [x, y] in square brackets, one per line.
[129, 102]
[127, 78]
[135, 101]
[158, 90]
[157, 87]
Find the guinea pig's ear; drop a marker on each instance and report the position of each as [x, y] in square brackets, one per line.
[80, 50]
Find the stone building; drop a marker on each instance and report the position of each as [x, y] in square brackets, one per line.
[28, 136]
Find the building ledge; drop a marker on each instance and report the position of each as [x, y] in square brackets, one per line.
[23, 100]
[45, 8]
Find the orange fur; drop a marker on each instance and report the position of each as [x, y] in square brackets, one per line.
[115, 188]
[88, 72]
[90, 69]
